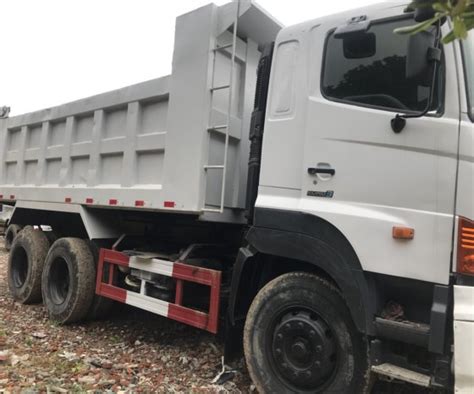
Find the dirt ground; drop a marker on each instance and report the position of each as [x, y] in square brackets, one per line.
[132, 352]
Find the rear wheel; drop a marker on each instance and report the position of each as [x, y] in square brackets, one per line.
[25, 265]
[10, 234]
[68, 280]
[299, 338]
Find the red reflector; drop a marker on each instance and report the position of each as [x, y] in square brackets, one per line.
[139, 203]
[89, 201]
[169, 204]
[113, 201]
[68, 199]
[12, 197]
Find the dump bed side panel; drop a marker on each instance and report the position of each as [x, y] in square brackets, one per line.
[150, 145]
[105, 149]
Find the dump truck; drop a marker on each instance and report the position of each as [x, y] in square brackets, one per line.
[306, 192]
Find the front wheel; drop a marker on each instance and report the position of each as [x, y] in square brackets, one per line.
[299, 338]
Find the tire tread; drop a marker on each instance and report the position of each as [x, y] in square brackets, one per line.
[294, 281]
[36, 246]
[81, 256]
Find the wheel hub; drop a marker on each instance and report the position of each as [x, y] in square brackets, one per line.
[300, 351]
[304, 350]
[59, 281]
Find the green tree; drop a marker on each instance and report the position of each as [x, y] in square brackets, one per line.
[460, 12]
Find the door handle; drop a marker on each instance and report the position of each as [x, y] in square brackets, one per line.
[328, 171]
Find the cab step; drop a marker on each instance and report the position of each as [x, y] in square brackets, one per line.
[404, 331]
[394, 372]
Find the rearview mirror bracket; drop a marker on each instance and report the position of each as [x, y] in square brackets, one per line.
[355, 25]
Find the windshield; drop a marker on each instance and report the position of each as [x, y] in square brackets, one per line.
[468, 52]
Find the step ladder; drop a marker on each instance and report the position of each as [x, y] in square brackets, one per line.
[391, 371]
[224, 127]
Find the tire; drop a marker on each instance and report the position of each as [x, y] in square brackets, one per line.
[68, 280]
[299, 338]
[52, 236]
[101, 307]
[10, 234]
[25, 265]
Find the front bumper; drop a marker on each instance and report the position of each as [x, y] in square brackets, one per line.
[464, 339]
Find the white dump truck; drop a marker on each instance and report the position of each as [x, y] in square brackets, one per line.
[306, 191]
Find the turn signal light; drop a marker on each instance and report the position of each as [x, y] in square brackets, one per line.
[465, 263]
[403, 232]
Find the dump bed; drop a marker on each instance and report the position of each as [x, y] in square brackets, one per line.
[156, 145]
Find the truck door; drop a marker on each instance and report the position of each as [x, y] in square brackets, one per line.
[363, 177]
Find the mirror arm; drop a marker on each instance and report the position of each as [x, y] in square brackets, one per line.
[399, 122]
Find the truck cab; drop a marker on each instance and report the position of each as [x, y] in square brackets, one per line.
[394, 205]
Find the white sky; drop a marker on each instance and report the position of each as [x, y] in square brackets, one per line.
[55, 51]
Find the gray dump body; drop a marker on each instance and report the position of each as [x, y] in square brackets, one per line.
[146, 146]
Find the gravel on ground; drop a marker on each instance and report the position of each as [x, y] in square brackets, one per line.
[133, 351]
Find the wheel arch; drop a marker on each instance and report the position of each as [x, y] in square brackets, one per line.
[282, 242]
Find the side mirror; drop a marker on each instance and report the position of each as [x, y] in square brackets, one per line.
[419, 57]
[424, 13]
[423, 56]
[359, 46]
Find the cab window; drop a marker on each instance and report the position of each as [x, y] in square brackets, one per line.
[369, 69]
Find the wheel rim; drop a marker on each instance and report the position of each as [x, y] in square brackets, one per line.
[303, 350]
[59, 281]
[19, 267]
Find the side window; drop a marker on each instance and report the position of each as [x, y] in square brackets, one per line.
[283, 95]
[369, 70]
